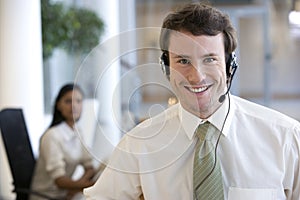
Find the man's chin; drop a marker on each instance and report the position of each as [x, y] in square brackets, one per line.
[203, 109]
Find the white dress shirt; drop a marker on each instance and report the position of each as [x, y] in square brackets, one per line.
[60, 153]
[258, 152]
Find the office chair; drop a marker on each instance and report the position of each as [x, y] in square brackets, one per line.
[19, 152]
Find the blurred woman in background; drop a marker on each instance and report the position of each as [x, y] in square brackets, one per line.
[61, 150]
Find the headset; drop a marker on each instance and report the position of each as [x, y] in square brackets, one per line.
[164, 63]
[231, 67]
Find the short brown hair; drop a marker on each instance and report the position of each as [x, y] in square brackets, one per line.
[199, 19]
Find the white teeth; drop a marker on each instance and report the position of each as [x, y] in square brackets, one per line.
[201, 89]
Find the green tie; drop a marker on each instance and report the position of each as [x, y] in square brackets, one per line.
[206, 186]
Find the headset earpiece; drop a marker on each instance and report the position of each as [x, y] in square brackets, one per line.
[164, 63]
[231, 66]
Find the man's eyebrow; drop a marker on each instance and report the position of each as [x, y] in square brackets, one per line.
[209, 55]
[173, 55]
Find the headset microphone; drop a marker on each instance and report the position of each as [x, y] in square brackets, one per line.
[222, 97]
[231, 66]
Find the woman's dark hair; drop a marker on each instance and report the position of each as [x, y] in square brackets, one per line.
[57, 116]
[199, 19]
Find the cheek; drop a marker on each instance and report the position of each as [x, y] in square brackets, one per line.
[59, 107]
[78, 107]
[219, 74]
[178, 75]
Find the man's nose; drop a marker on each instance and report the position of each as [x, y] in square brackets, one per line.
[196, 74]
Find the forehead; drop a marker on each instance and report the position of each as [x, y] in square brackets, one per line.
[183, 43]
[73, 93]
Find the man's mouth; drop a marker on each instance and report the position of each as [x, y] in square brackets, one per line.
[197, 89]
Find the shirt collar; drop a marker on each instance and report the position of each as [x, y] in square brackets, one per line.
[190, 122]
[68, 132]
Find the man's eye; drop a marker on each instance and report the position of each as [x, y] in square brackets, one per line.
[209, 60]
[184, 61]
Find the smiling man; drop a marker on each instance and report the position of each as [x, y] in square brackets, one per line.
[211, 145]
[198, 74]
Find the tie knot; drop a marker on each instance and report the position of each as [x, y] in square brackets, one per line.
[202, 130]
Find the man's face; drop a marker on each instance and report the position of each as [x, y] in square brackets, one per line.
[198, 72]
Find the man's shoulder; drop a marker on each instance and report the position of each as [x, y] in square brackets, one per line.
[157, 124]
[258, 111]
[168, 114]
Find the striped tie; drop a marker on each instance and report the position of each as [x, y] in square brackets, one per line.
[208, 184]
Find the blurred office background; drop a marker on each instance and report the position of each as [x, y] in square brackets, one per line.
[121, 75]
